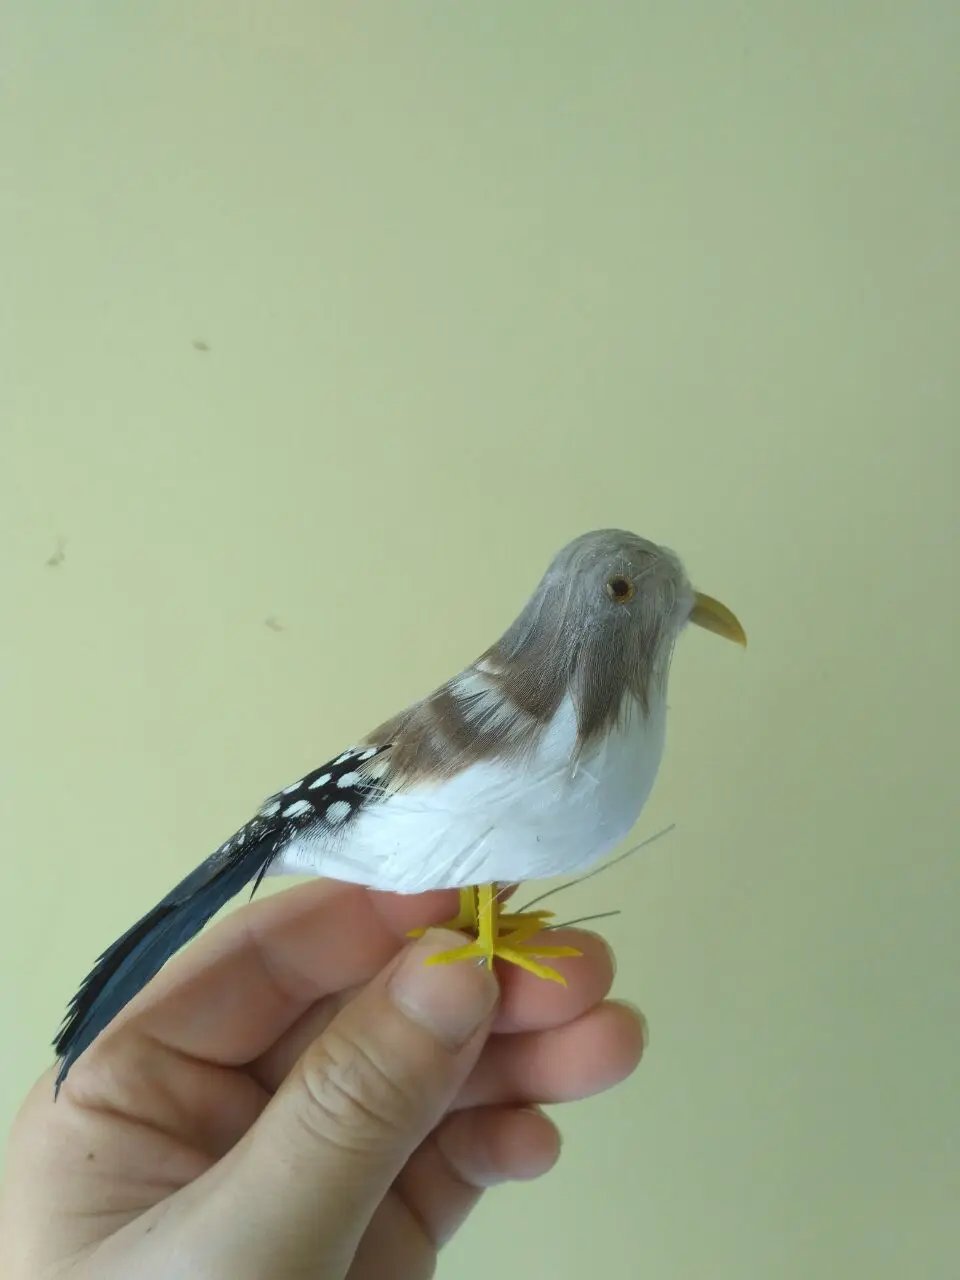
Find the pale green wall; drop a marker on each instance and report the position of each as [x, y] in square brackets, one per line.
[475, 277]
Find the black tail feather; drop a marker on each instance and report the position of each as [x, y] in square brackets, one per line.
[126, 967]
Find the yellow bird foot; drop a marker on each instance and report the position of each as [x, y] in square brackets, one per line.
[465, 920]
[522, 955]
[502, 936]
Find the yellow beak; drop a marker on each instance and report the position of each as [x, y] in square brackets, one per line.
[716, 617]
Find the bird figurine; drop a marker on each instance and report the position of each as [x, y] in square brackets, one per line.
[534, 761]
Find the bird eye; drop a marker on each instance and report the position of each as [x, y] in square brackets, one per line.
[620, 589]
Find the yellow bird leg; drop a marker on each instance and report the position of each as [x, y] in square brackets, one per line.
[505, 937]
[520, 919]
[464, 920]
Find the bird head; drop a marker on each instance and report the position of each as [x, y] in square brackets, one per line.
[607, 614]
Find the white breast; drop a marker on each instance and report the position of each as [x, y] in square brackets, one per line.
[495, 823]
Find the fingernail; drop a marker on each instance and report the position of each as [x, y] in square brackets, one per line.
[535, 1109]
[612, 956]
[451, 1001]
[640, 1016]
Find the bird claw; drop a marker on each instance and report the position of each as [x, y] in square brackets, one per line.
[522, 956]
[498, 936]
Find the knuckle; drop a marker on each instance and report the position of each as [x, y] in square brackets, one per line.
[353, 1100]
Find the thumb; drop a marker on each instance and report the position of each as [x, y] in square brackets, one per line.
[360, 1101]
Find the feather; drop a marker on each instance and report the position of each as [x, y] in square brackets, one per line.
[126, 967]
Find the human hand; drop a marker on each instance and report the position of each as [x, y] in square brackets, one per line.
[298, 1095]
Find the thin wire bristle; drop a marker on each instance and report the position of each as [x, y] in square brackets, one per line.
[569, 884]
[568, 924]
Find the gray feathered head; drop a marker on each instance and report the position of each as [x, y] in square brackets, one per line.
[600, 627]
